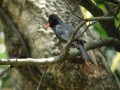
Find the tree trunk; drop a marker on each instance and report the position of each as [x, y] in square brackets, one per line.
[23, 23]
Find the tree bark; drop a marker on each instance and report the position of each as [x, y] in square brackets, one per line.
[23, 23]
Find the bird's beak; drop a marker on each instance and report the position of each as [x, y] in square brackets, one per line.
[47, 25]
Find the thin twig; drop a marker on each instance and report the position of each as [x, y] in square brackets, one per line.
[72, 9]
[99, 18]
[85, 30]
[5, 70]
[82, 18]
[95, 18]
[113, 1]
[72, 37]
[38, 88]
[109, 41]
[117, 11]
[76, 6]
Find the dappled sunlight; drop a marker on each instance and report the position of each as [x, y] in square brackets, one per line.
[116, 62]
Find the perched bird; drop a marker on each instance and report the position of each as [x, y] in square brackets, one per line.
[64, 32]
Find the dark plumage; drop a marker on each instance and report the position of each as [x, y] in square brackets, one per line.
[64, 32]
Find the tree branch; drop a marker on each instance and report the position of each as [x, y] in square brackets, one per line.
[109, 41]
[100, 18]
[113, 1]
[117, 10]
[72, 37]
[108, 25]
[73, 10]
[88, 46]
[86, 28]
[5, 70]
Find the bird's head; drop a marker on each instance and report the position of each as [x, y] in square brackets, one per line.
[53, 20]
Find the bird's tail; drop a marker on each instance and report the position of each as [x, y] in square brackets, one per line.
[84, 52]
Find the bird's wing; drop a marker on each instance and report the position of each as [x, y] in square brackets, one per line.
[65, 31]
[68, 27]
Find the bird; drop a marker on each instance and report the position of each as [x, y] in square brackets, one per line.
[64, 31]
